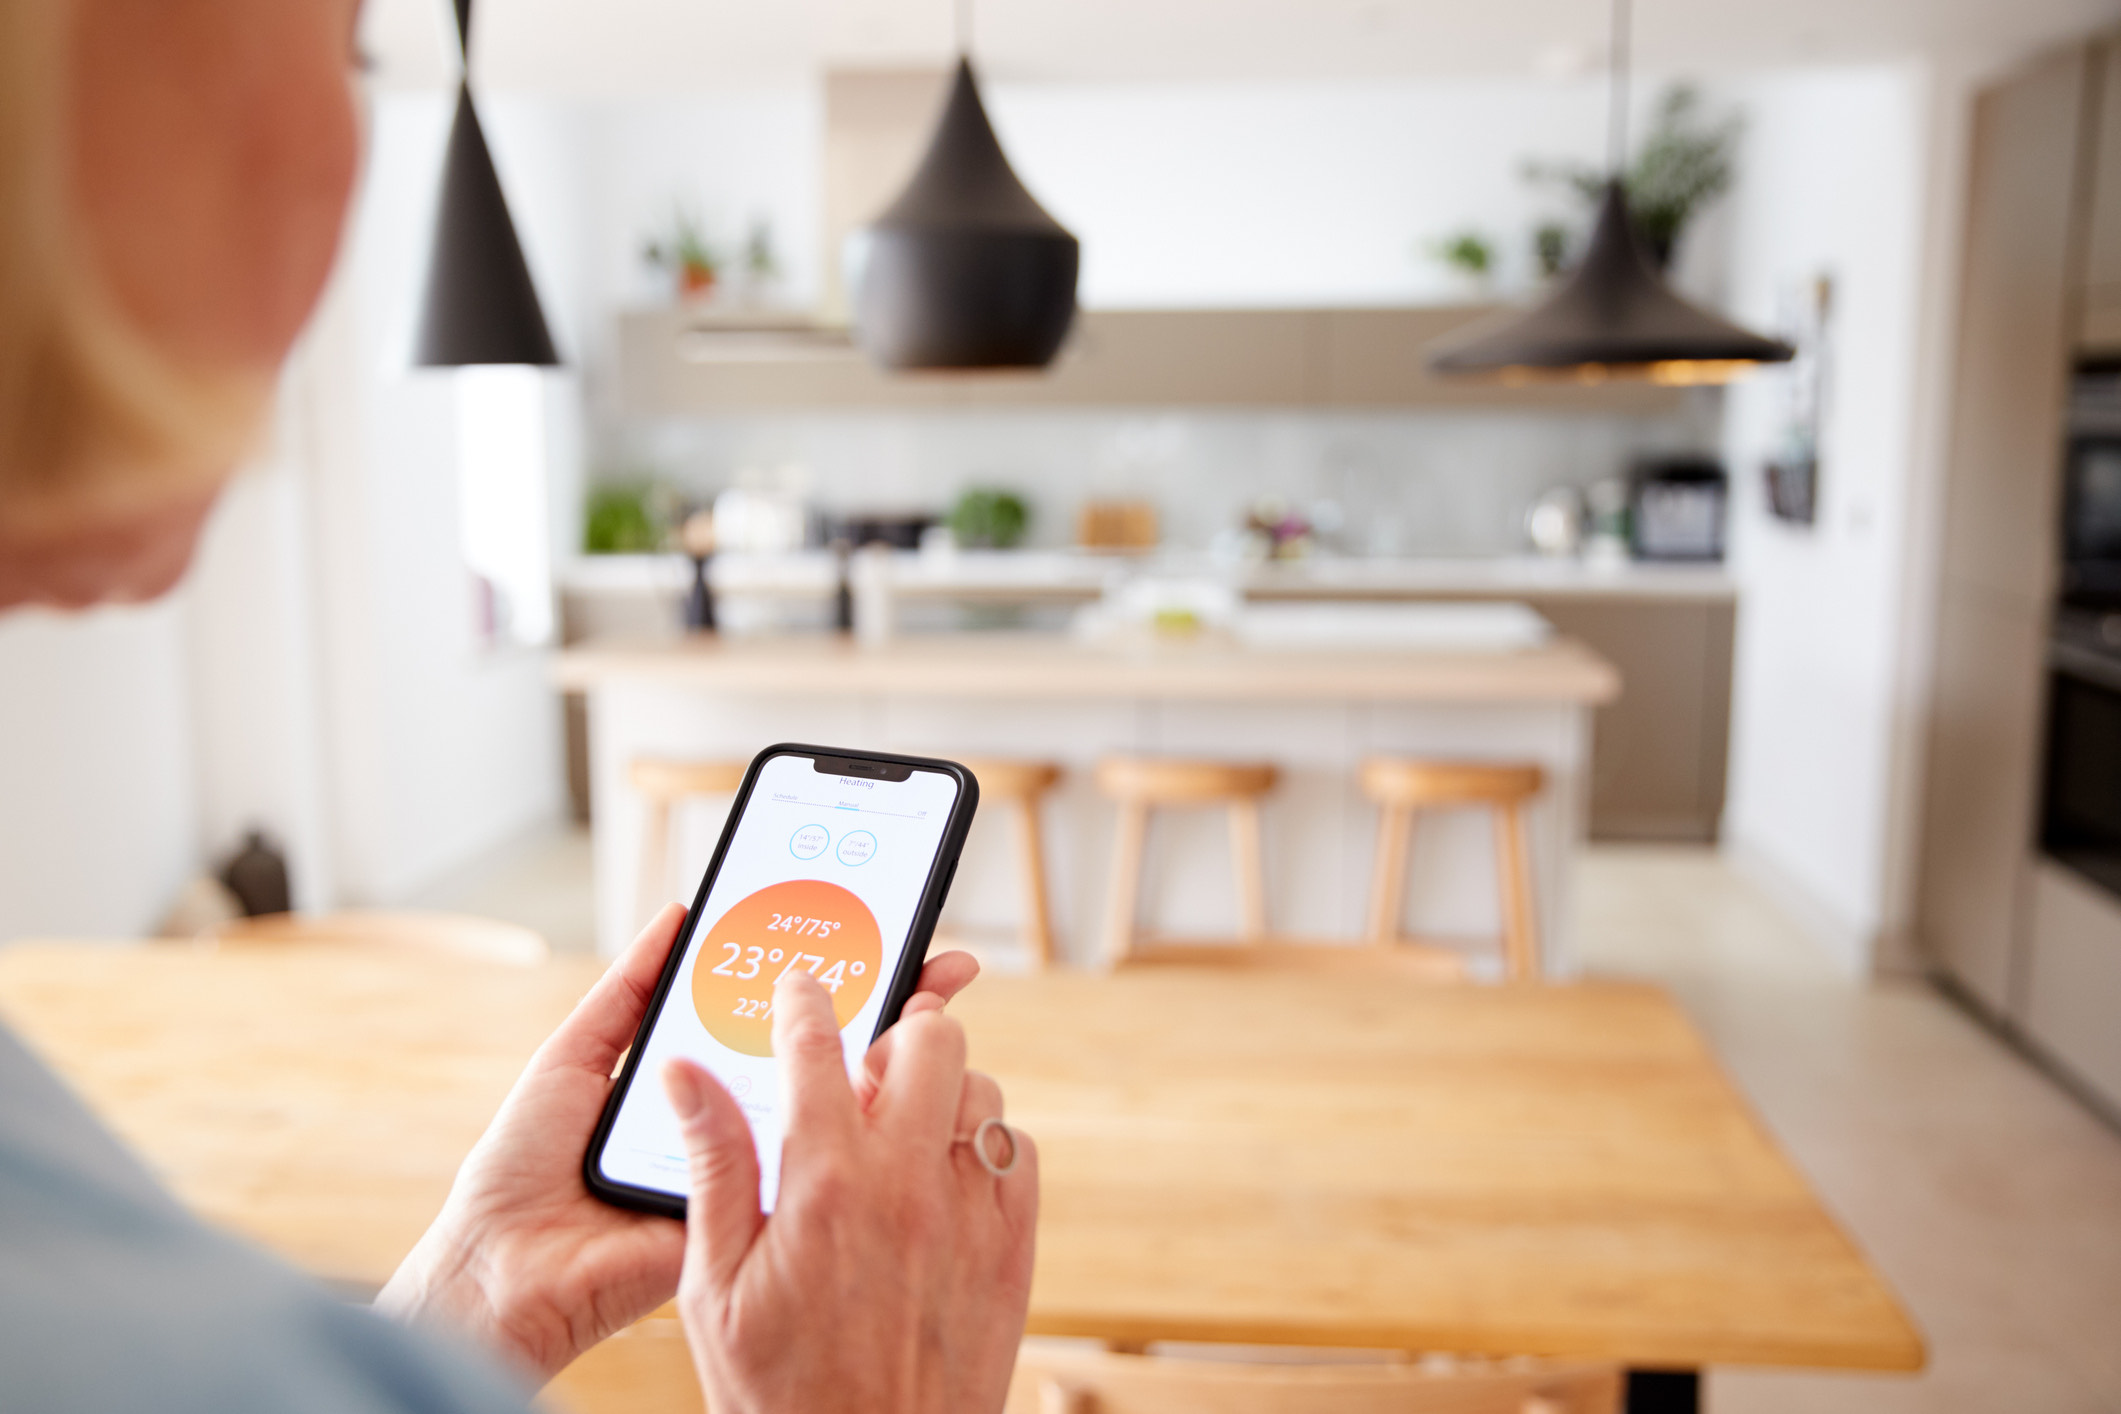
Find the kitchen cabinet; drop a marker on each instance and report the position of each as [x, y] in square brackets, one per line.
[2099, 330]
[1658, 751]
[2032, 944]
[676, 363]
[2073, 984]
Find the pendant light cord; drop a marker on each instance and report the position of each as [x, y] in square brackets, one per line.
[1617, 120]
[964, 29]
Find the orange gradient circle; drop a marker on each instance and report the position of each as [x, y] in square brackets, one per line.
[807, 923]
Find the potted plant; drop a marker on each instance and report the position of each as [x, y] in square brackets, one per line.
[1683, 165]
[1470, 256]
[684, 253]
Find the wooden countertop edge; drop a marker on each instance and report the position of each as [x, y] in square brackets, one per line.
[1561, 671]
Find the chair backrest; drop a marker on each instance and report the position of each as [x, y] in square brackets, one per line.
[456, 934]
[1094, 1382]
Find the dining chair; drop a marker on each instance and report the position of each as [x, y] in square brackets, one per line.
[1403, 787]
[456, 934]
[1142, 785]
[644, 1369]
[1087, 1381]
[1020, 787]
[664, 783]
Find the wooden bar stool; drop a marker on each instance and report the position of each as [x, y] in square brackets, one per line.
[1403, 786]
[1022, 786]
[1144, 783]
[663, 783]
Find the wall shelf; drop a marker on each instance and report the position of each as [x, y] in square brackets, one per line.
[675, 363]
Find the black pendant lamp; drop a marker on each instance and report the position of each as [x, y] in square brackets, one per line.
[1614, 317]
[965, 269]
[481, 306]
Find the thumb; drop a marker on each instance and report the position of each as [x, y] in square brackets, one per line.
[722, 1216]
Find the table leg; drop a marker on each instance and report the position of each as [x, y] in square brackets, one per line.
[1664, 1392]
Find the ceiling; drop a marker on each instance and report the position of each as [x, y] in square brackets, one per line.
[619, 47]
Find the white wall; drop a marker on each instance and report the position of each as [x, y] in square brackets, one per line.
[1835, 181]
[435, 747]
[97, 824]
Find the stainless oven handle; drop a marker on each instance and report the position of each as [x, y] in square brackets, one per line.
[2086, 665]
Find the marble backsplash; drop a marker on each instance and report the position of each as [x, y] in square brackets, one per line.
[1410, 483]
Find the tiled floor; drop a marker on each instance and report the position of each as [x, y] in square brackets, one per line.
[1990, 1199]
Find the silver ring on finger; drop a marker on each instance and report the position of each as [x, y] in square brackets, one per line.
[979, 1147]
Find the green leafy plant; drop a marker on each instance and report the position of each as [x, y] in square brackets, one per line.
[621, 519]
[1683, 165]
[684, 251]
[1550, 248]
[988, 518]
[760, 260]
[1467, 251]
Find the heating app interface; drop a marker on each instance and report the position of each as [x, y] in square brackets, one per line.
[824, 873]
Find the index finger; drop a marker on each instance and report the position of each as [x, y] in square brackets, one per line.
[806, 1042]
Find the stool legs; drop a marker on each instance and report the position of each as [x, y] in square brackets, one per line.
[1128, 842]
[1031, 863]
[655, 859]
[1518, 940]
[1248, 858]
[1388, 875]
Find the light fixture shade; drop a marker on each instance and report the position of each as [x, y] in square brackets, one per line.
[965, 269]
[1612, 317]
[481, 306]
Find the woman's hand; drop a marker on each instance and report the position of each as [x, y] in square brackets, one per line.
[522, 1258]
[895, 1271]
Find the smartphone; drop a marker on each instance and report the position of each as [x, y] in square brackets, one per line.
[835, 862]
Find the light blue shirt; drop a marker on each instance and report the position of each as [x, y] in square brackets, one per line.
[113, 1298]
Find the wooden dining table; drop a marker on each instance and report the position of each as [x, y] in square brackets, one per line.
[1312, 1158]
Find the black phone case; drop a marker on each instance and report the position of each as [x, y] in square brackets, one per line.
[940, 875]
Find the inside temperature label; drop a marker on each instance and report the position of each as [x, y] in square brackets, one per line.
[804, 923]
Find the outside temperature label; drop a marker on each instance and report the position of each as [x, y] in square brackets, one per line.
[822, 928]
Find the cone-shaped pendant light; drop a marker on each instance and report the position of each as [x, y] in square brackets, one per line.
[1614, 317]
[965, 269]
[481, 306]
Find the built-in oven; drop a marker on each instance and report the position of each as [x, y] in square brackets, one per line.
[2091, 492]
[2080, 815]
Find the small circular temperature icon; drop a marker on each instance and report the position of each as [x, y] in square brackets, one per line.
[804, 923]
[809, 842]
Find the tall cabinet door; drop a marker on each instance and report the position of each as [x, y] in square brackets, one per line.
[2010, 382]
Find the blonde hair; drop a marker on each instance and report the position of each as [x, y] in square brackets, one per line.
[92, 414]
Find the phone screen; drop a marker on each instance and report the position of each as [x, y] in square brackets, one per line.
[824, 872]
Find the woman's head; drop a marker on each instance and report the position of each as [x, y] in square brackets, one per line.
[173, 179]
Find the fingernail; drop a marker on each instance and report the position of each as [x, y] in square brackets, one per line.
[683, 1089]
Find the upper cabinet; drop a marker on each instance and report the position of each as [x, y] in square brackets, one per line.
[672, 363]
[2015, 321]
[2099, 329]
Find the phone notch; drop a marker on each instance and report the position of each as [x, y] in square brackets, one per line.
[867, 770]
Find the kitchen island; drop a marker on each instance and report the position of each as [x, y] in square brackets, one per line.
[1314, 711]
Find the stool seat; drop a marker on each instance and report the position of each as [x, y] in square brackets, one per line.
[663, 782]
[1141, 784]
[1004, 780]
[1435, 784]
[1402, 787]
[1020, 787]
[1163, 780]
[667, 778]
